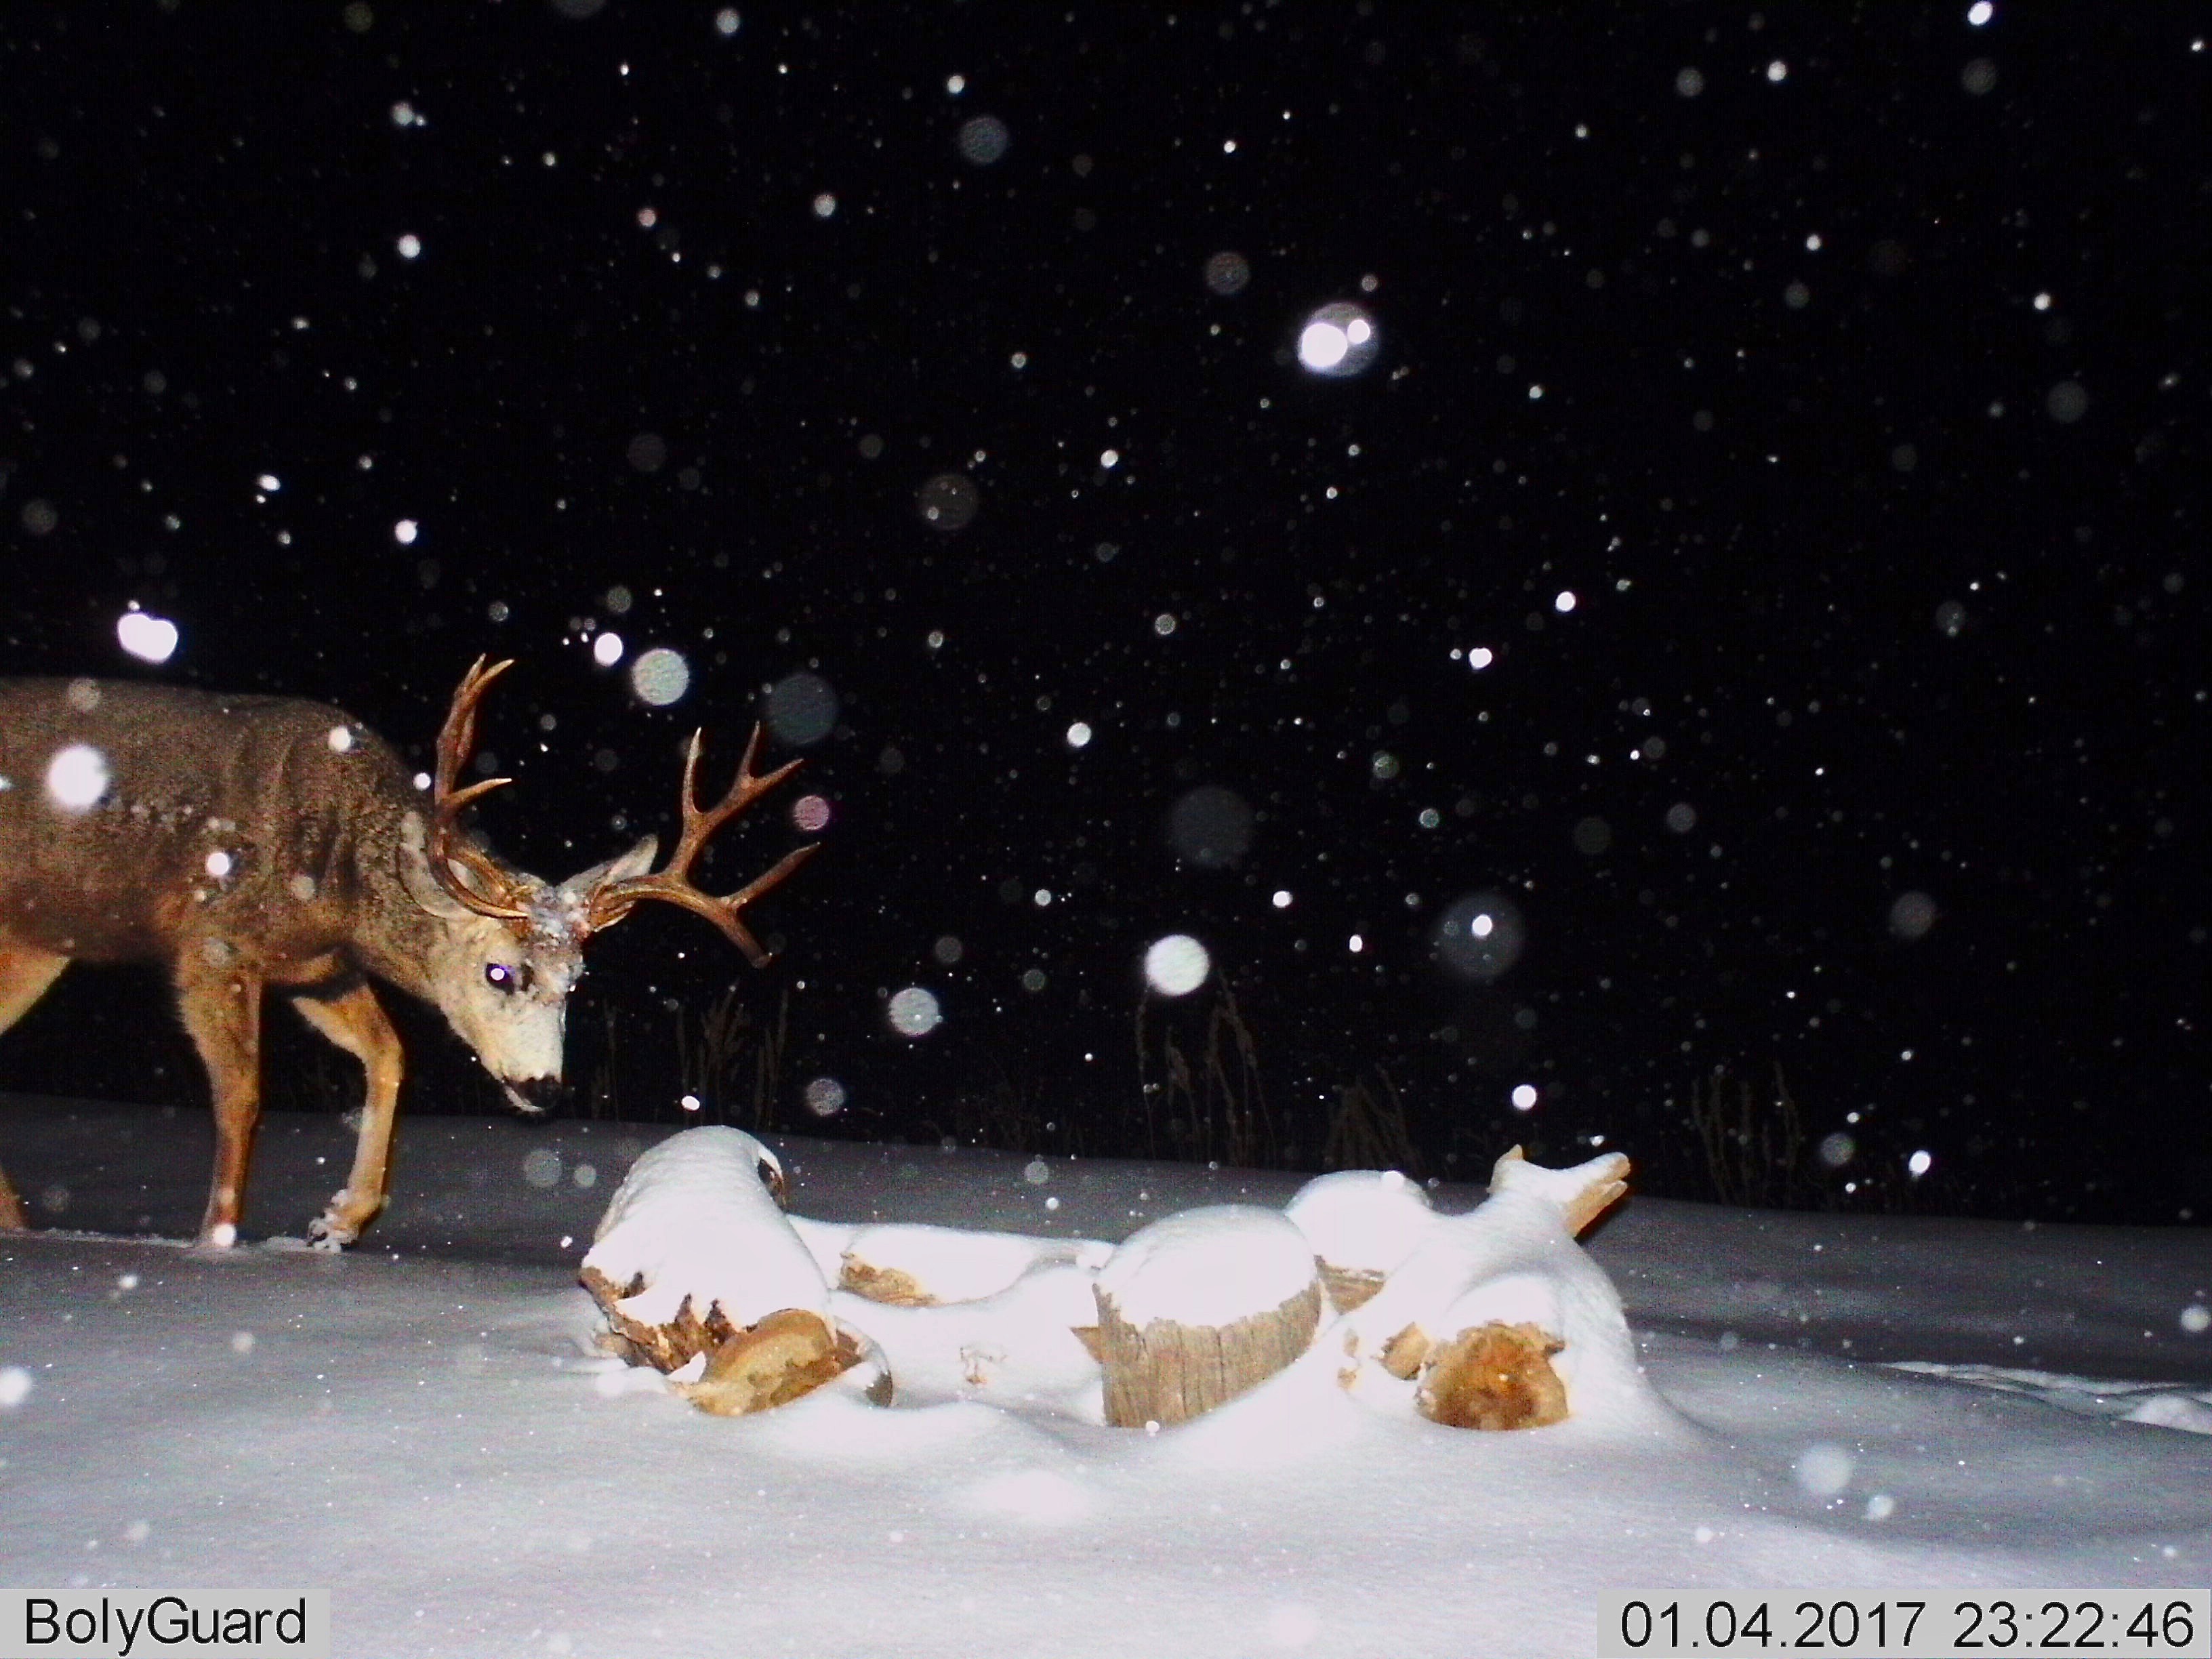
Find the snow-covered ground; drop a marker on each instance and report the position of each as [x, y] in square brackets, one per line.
[424, 1427]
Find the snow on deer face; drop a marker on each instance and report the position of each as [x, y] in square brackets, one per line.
[504, 984]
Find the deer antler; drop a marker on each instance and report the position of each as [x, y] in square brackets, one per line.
[611, 901]
[499, 896]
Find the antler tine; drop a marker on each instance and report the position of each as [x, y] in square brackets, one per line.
[672, 882]
[459, 734]
[744, 789]
[457, 738]
[724, 912]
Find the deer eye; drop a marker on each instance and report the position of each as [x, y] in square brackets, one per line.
[500, 977]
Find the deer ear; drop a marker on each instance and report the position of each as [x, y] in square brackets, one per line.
[637, 861]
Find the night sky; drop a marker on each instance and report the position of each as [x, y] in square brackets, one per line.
[1799, 417]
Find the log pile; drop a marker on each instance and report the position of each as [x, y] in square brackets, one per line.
[1492, 1320]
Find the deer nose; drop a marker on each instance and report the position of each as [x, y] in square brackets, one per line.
[535, 1097]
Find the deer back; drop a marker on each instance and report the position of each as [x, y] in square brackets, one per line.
[136, 819]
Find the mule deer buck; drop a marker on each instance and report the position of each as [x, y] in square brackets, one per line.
[252, 841]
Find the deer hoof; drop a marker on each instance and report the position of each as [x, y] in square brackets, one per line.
[326, 1234]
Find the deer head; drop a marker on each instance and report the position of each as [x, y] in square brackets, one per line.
[510, 947]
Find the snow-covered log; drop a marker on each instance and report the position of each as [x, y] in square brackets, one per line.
[1497, 1318]
[1197, 1308]
[973, 1314]
[1018, 1347]
[695, 1257]
[1361, 1224]
[911, 1266]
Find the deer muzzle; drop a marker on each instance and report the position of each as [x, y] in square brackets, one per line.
[534, 1097]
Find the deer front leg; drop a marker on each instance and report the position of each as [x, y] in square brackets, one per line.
[220, 1003]
[25, 974]
[353, 1020]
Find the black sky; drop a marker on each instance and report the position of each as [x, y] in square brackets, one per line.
[1845, 365]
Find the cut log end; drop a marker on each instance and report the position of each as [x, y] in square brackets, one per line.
[1494, 1376]
[787, 1355]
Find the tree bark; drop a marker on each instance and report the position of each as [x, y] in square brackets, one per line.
[1349, 1287]
[1167, 1373]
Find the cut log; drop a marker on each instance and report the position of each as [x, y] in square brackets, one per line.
[695, 1261]
[1195, 1309]
[693, 1248]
